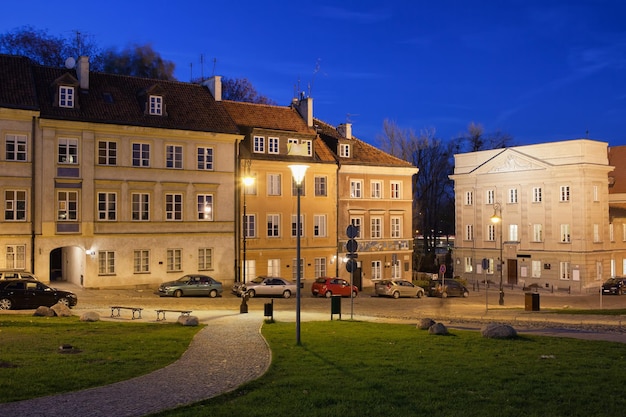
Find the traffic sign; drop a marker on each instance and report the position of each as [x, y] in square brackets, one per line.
[352, 231]
[352, 255]
[351, 265]
[352, 245]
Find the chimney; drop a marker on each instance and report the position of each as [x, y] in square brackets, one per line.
[305, 108]
[214, 84]
[345, 130]
[82, 71]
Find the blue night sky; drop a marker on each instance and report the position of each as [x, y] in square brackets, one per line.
[540, 70]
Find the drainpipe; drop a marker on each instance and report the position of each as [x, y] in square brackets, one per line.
[32, 195]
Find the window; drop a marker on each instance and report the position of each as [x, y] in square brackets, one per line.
[564, 272]
[141, 261]
[596, 195]
[469, 232]
[68, 151]
[564, 193]
[319, 225]
[249, 225]
[396, 272]
[320, 187]
[205, 159]
[16, 256]
[596, 233]
[173, 206]
[377, 272]
[513, 195]
[344, 150]
[107, 153]
[106, 262]
[205, 259]
[513, 233]
[611, 233]
[140, 206]
[273, 268]
[272, 145]
[174, 260]
[156, 105]
[174, 157]
[490, 197]
[107, 206]
[376, 189]
[15, 147]
[537, 196]
[295, 268]
[565, 233]
[67, 209]
[66, 96]
[376, 227]
[273, 225]
[537, 232]
[396, 191]
[624, 232]
[294, 225]
[259, 144]
[205, 207]
[15, 205]
[320, 267]
[491, 232]
[396, 227]
[294, 187]
[357, 222]
[355, 188]
[469, 198]
[141, 155]
[468, 264]
[308, 145]
[302, 147]
[273, 184]
[536, 269]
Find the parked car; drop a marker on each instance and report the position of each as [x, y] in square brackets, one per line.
[18, 293]
[327, 287]
[398, 288]
[447, 288]
[192, 285]
[17, 274]
[615, 285]
[266, 286]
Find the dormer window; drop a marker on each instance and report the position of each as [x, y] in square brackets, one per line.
[344, 150]
[156, 105]
[66, 97]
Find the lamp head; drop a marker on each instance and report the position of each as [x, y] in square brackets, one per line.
[298, 172]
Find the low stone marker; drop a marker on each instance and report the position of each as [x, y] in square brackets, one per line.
[438, 329]
[188, 320]
[61, 310]
[90, 316]
[43, 311]
[424, 324]
[498, 331]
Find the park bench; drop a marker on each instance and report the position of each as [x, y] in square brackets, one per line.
[133, 309]
[161, 313]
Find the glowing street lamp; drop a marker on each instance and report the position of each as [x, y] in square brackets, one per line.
[298, 172]
[495, 219]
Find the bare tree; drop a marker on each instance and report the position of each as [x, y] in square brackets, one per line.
[241, 89]
[138, 61]
[477, 140]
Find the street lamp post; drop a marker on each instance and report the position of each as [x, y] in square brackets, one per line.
[497, 218]
[247, 182]
[298, 172]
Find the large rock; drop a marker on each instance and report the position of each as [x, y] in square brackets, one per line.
[61, 310]
[188, 320]
[43, 311]
[498, 331]
[90, 316]
[424, 324]
[438, 329]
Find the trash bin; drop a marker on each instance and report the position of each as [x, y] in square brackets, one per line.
[335, 306]
[269, 309]
[531, 301]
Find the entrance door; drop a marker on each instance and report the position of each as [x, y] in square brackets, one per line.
[511, 271]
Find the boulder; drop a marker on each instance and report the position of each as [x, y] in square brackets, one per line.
[43, 311]
[424, 324]
[188, 320]
[438, 329]
[61, 310]
[90, 316]
[498, 331]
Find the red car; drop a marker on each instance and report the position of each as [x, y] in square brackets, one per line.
[327, 287]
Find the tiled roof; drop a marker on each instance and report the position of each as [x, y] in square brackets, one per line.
[17, 87]
[266, 116]
[362, 153]
[118, 99]
[617, 156]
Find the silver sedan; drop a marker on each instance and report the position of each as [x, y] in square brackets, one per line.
[267, 286]
[398, 288]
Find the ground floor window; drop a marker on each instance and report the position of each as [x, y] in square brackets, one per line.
[106, 262]
[536, 269]
[174, 260]
[141, 261]
[205, 259]
[320, 267]
[377, 270]
[16, 257]
[295, 268]
[273, 267]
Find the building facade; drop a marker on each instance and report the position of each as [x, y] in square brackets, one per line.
[550, 203]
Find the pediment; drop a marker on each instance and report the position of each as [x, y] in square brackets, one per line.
[511, 161]
[65, 79]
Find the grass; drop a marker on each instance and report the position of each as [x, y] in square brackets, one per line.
[31, 365]
[349, 368]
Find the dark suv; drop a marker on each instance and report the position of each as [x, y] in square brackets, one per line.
[26, 293]
[615, 285]
[447, 288]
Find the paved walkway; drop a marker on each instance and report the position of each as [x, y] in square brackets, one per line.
[212, 365]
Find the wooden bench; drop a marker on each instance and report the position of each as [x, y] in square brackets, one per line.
[161, 313]
[133, 309]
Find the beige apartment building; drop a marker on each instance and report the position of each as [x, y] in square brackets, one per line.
[552, 202]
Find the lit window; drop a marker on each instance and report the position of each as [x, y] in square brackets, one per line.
[15, 147]
[356, 188]
[15, 205]
[205, 159]
[156, 105]
[68, 151]
[67, 205]
[537, 233]
[205, 207]
[565, 233]
[66, 97]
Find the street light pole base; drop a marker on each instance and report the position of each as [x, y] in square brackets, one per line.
[501, 300]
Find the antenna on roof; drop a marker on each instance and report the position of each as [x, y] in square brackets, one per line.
[315, 71]
[214, 65]
[349, 115]
[201, 67]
